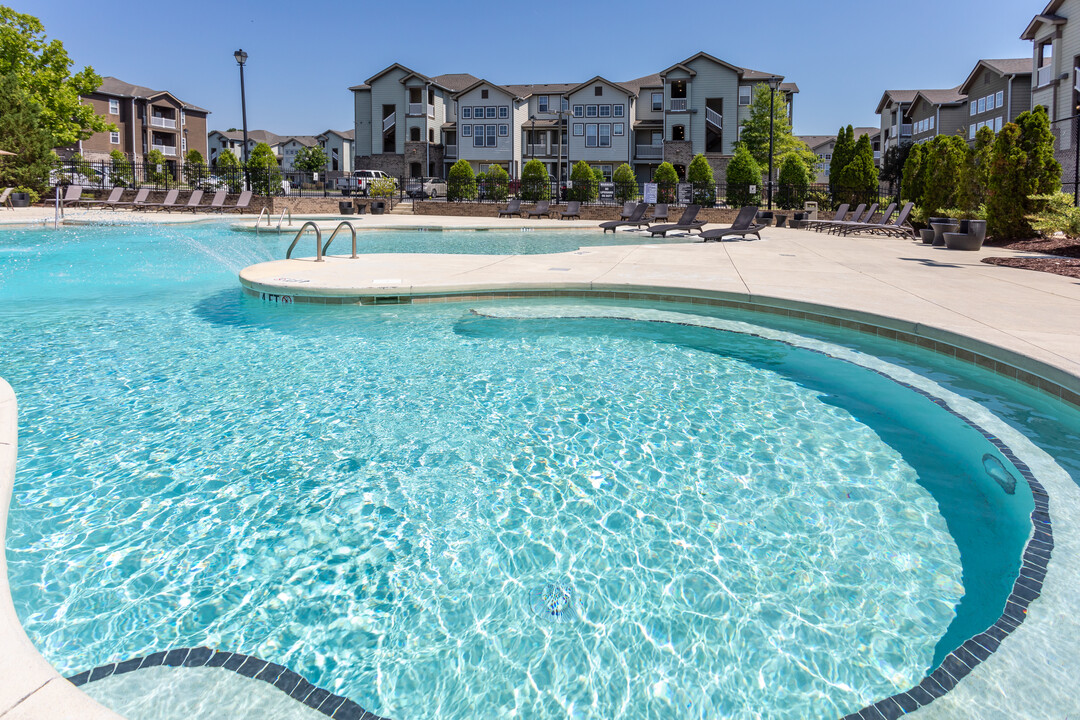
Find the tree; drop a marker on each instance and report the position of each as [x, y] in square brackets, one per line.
[194, 168]
[122, 172]
[42, 70]
[755, 129]
[912, 185]
[742, 173]
[626, 187]
[1007, 190]
[155, 168]
[310, 159]
[497, 183]
[1037, 142]
[263, 170]
[858, 180]
[583, 185]
[843, 153]
[943, 163]
[228, 167]
[461, 182]
[666, 179]
[700, 174]
[535, 184]
[974, 177]
[22, 132]
[794, 183]
[892, 165]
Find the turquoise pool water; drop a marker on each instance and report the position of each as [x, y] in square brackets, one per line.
[437, 513]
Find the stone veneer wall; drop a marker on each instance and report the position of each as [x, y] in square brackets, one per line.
[392, 164]
[588, 212]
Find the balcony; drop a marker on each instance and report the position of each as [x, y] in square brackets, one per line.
[905, 130]
[162, 122]
[677, 105]
[450, 151]
[1045, 76]
[649, 152]
[417, 110]
[166, 150]
[388, 121]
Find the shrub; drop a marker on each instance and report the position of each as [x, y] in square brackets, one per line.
[626, 187]
[704, 184]
[461, 182]
[496, 184]
[265, 175]
[535, 183]
[229, 167]
[857, 181]
[1037, 142]
[194, 168]
[944, 158]
[666, 179]
[583, 182]
[911, 187]
[743, 172]
[794, 183]
[973, 178]
[121, 170]
[1057, 215]
[34, 196]
[843, 153]
[156, 169]
[384, 187]
[1007, 190]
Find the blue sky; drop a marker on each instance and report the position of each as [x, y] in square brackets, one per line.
[304, 55]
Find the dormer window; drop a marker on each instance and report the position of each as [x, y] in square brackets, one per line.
[483, 94]
[598, 91]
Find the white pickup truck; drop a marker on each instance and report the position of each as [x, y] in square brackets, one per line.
[360, 180]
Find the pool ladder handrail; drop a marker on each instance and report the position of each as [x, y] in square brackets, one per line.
[343, 223]
[281, 218]
[318, 241]
[259, 219]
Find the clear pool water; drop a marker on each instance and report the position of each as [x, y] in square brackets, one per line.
[440, 514]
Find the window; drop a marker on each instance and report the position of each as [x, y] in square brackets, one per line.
[542, 103]
[478, 113]
[579, 111]
[598, 91]
[114, 107]
[491, 112]
[605, 111]
[565, 103]
[466, 131]
[971, 131]
[605, 135]
[491, 140]
[590, 111]
[504, 130]
[745, 93]
[618, 110]
[973, 106]
[657, 102]
[183, 117]
[483, 94]
[579, 129]
[997, 124]
[504, 112]
[183, 145]
[590, 135]
[989, 102]
[414, 134]
[478, 136]
[982, 104]
[114, 138]
[466, 113]
[678, 132]
[931, 122]
[617, 129]
[605, 171]
[1000, 98]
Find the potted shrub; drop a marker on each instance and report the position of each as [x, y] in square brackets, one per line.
[23, 197]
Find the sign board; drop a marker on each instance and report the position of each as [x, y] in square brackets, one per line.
[753, 189]
[607, 192]
[650, 193]
[685, 193]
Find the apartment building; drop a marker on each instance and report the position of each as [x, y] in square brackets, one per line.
[407, 123]
[938, 112]
[997, 92]
[823, 146]
[145, 120]
[894, 109]
[337, 144]
[1055, 67]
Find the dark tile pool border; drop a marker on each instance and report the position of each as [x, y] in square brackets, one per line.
[282, 678]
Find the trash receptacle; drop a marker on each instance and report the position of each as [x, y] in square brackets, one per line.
[346, 192]
[346, 207]
[811, 207]
[378, 207]
[20, 199]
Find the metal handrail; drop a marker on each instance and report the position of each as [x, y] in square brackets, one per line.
[281, 217]
[318, 241]
[259, 219]
[343, 223]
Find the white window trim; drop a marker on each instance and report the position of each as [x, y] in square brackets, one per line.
[114, 137]
[114, 104]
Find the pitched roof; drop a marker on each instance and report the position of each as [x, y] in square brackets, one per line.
[305, 140]
[815, 141]
[952, 96]
[1048, 15]
[508, 89]
[349, 134]
[707, 56]
[455, 81]
[596, 79]
[649, 81]
[257, 135]
[897, 96]
[524, 91]
[1011, 66]
[116, 87]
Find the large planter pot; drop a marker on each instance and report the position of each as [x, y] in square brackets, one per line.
[942, 226]
[765, 217]
[19, 199]
[927, 235]
[378, 207]
[345, 207]
[977, 228]
[970, 236]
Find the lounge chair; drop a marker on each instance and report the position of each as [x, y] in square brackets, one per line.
[688, 221]
[72, 195]
[841, 213]
[166, 204]
[140, 198]
[5, 198]
[659, 214]
[573, 210]
[193, 201]
[636, 219]
[898, 228]
[863, 219]
[744, 225]
[242, 203]
[114, 197]
[542, 209]
[627, 210]
[868, 221]
[513, 208]
[856, 216]
[218, 201]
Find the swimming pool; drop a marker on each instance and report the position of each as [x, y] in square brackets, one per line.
[439, 512]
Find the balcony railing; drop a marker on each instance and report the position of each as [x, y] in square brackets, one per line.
[430, 110]
[677, 104]
[649, 152]
[905, 130]
[388, 121]
[166, 150]
[717, 120]
[162, 122]
[414, 109]
[1045, 75]
[450, 150]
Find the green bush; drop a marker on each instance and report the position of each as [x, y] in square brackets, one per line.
[794, 182]
[842, 155]
[704, 184]
[263, 169]
[1056, 215]
[156, 169]
[384, 187]
[666, 179]
[583, 182]
[912, 184]
[1007, 189]
[497, 184]
[34, 196]
[461, 182]
[944, 159]
[857, 181]
[122, 173]
[229, 167]
[742, 172]
[195, 170]
[535, 183]
[626, 187]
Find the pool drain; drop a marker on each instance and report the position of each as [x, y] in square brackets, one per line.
[553, 602]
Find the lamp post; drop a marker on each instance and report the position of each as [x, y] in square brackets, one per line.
[241, 58]
[772, 115]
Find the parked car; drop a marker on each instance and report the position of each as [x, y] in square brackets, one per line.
[360, 180]
[426, 187]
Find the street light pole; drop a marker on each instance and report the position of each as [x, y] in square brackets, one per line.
[772, 116]
[241, 58]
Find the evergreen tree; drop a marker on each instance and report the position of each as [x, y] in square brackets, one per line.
[943, 163]
[583, 182]
[626, 187]
[892, 165]
[155, 168]
[1037, 142]
[794, 183]
[912, 185]
[1008, 186]
[701, 175]
[971, 193]
[755, 129]
[666, 179]
[497, 183]
[858, 180]
[23, 133]
[742, 172]
[461, 182]
[535, 183]
[842, 154]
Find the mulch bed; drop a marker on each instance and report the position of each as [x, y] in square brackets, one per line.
[1067, 249]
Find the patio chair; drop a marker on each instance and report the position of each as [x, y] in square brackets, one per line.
[542, 209]
[688, 222]
[863, 219]
[5, 198]
[744, 225]
[242, 203]
[114, 197]
[218, 201]
[193, 201]
[627, 210]
[659, 214]
[139, 199]
[898, 228]
[841, 213]
[513, 208]
[846, 228]
[72, 195]
[856, 216]
[636, 219]
[573, 210]
[166, 204]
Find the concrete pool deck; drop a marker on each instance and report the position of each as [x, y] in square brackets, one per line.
[1026, 321]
